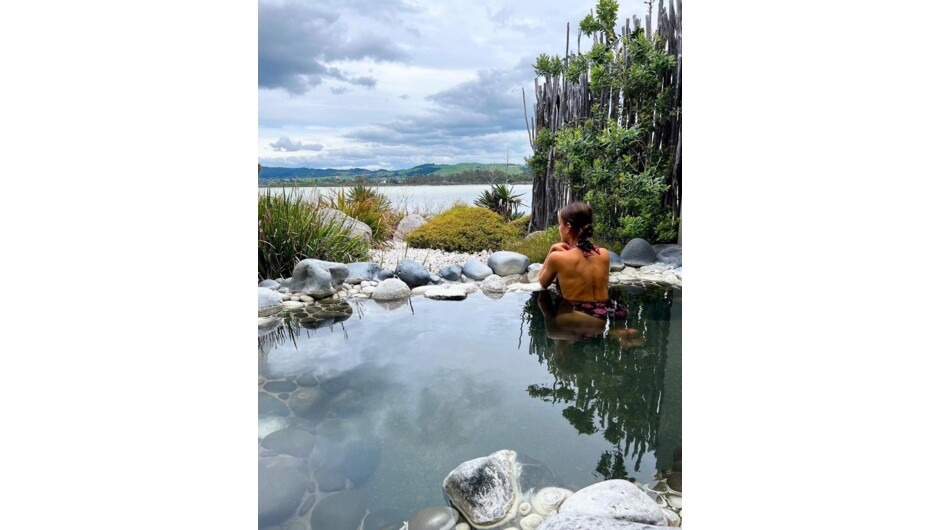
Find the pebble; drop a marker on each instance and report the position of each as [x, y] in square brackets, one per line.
[369, 289]
[306, 298]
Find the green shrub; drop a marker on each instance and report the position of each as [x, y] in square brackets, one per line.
[462, 229]
[290, 229]
[536, 248]
[521, 225]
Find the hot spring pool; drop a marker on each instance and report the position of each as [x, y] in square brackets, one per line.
[383, 403]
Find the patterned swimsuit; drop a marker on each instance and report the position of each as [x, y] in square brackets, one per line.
[602, 309]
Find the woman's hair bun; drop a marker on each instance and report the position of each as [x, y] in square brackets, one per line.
[586, 231]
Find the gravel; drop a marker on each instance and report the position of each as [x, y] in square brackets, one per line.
[432, 259]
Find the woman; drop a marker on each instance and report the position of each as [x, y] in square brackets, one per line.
[581, 269]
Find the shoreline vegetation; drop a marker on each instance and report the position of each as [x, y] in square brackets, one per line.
[325, 183]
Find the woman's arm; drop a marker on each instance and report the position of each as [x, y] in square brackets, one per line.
[547, 273]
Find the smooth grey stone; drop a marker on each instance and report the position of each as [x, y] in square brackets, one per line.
[303, 510]
[329, 480]
[280, 386]
[409, 224]
[307, 401]
[283, 396]
[451, 272]
[616, 499]
[616, 263]
[391, 289]
[638, 252]
[284, 290]
[532, 272]
[269, 405]
[483, 489]
[515, 278]
[384, 274]
[362, 458]
[438, 518]
[282, 483]
[412, 273]
[362, 271]
[339, 511]
[581, 521]
[356, 227]
[269, 284]
[670, 255]
[310, 277]
[476, 270]
[505, 263]
[269, 302]
[385, 518]
[290, 441]
[435, 278]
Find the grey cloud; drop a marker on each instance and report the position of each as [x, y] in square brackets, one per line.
[285, 144]
[297, 42]
[339, 89]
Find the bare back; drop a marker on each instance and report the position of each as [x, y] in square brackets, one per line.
[582, 279]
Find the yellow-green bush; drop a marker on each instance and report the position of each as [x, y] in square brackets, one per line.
[462, 229]
[536, 248]
[521, 224]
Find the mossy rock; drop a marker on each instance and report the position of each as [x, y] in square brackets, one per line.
[462, 229]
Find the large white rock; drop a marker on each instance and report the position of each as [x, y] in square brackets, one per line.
[493, 284]
[409, 224]
[356, 227]
[484, 489]
[582, 521]
[391, 289]
[269, 302]
[615, 499]
[446, 292]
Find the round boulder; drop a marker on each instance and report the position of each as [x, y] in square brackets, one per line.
[409, 224]
[356, 227]
[451, 272]
[615, 499]
[412, 273]
[476, 270]
[391, 289]
[269, 302]
[270, 284]
[637, 253]
[532, 272]
[670, 255]
[505, 263]
[290, 441]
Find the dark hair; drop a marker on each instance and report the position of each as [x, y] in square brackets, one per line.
[581, 218]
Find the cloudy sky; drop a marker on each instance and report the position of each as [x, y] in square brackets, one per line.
[396, 83]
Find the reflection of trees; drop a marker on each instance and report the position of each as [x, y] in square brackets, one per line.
[609, 387]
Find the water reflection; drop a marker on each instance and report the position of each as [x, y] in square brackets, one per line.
[621, 379]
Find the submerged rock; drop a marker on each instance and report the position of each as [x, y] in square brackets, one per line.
[505, 263]
[391, 289]
[412, 273]
[269, 302]
[269, 405]
[339, 511]
[616, 499]
[306, 401]
[290, 441]
[282, 483]
[329, 480]
[433, 519]
[484, 489]
[476, 270]
[637, 253]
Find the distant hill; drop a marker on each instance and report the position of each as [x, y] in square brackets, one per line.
[465, 170]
